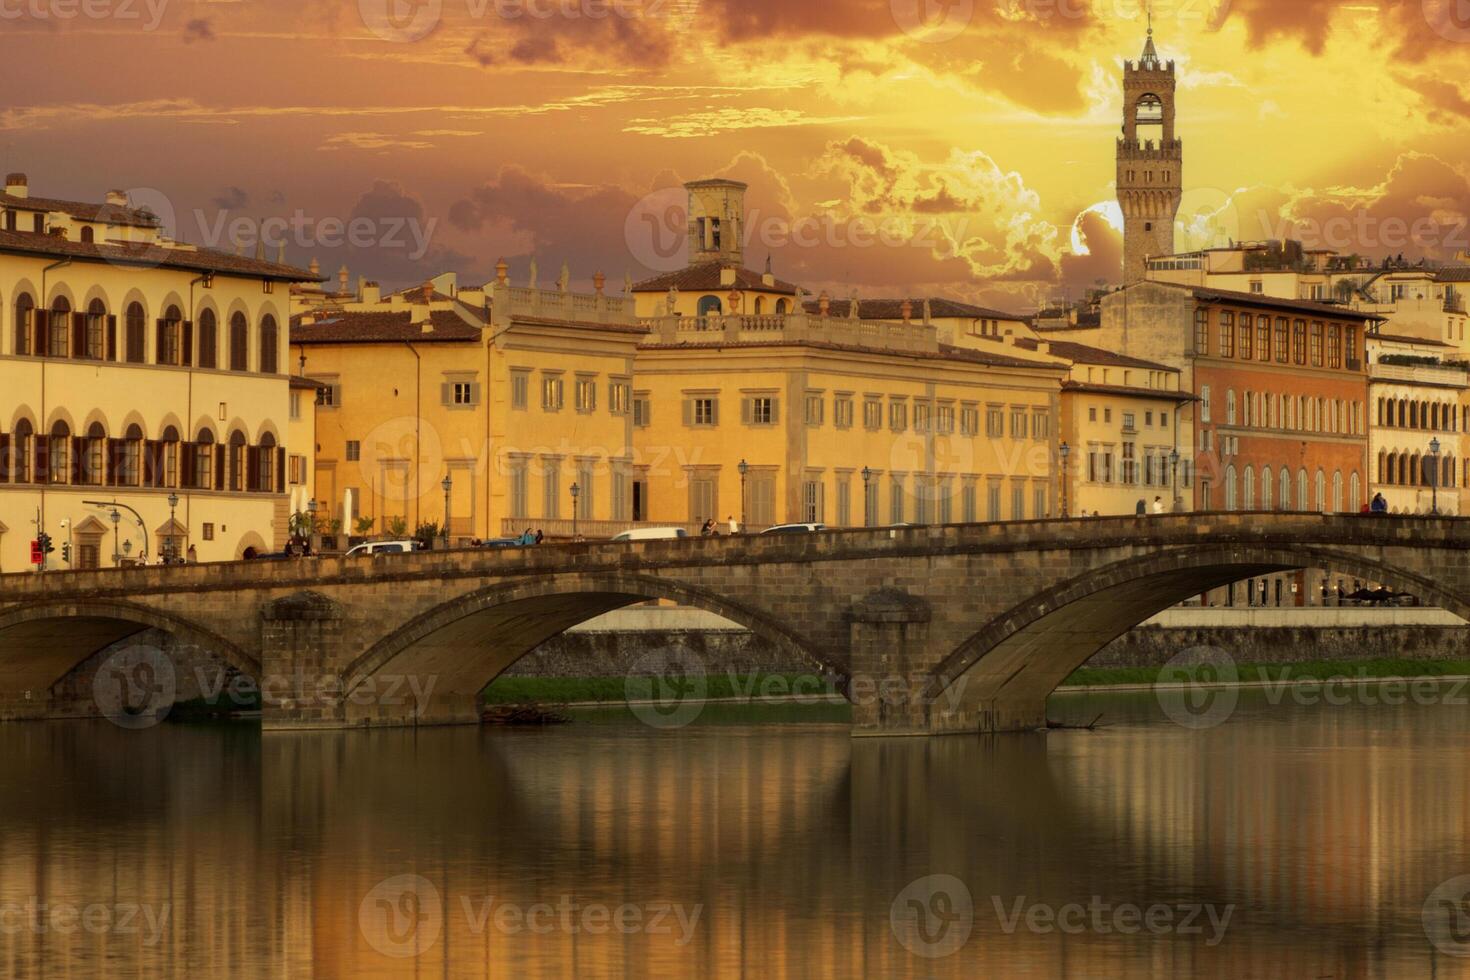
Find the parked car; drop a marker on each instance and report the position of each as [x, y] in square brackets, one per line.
[795, 529]
[652, 534]
[384, 548]
[515, 542]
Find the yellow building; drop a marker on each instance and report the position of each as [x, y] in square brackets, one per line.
[143, 378]
[512, 394]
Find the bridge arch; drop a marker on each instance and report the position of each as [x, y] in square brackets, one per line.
[1026, 652]
[40, 644]
[471, 639]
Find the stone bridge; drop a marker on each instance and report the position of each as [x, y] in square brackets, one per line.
[974, 625]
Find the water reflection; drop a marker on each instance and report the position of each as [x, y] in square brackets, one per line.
[617, 851]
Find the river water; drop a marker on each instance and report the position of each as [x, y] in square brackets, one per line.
[1292, 840]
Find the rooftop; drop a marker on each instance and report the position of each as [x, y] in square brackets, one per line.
[1083, 354]
[892, 309]
[706, 277]
[386, 327]
[152, 254]
[112, 214]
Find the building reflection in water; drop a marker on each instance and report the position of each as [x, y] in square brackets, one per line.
[1324, 827]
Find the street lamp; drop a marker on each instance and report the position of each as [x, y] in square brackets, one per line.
[744, 468]
[1174, 468]
[1065, 451]
[1434, 448]
[173, 506]
[447, 485]
[116, 518]
[867, 498]
[576, 492]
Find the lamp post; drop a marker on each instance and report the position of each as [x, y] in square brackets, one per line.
[744, 468]
[311, 538]
[116, 518]
[867, 498]
[576, 492]
[447, 485]
[1174, 469]
[1434, 448]
[1065, 452]
[173, 505]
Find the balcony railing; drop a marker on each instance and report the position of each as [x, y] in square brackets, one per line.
[1420, 374]
[560, 528]
[793, 328]
[510, 301]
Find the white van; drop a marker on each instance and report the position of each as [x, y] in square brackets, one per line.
[652, 534]
[384, 548]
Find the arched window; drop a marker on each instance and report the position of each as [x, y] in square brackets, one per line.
[709, 306]
[20, 448]
[1303, 493]
[1382, 466]
[264, 480]
[91, 456]
[24, 323]
[58, 454]
[239, 343]
[95, 331]
[1284, 500]
[130, 460]
[1248, 489]
[203, 466]
[169, 348]
[1230, 407]
[1337, 492]
[1246, 405]
[270, 341]
[1416, 472]
[782, 307]
[760, 306]
[1355, 493]
[236, 460]
[1230, 488]
[1268, 488]
[88, 235]
[1321, 492]
[136, 337]
[208, 340]
[58, 342]
[169, 457]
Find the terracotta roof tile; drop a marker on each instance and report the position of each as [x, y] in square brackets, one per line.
[1131, 391]
[152, 256]
[892, 309]
[389, 327]
[705, 277]
[1083, 354]
[1276, 303]
[944, 353]
[103, 213]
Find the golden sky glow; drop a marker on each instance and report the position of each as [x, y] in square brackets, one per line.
[919, 146]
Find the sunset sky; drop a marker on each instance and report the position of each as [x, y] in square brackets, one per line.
[978, 136]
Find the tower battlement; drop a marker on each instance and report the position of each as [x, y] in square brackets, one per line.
[1150, 161]
[1149, 150]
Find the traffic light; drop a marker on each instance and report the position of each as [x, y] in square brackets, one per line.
[46, 546]
[66, 552]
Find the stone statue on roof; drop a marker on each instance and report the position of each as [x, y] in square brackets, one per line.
[852, 308]
[928, 310]
[672, 303]
[798, 304]
[565, 279]
[533, 272]
[627, 283]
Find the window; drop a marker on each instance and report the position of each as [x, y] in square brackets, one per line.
[1263, 338]
[239, 343]
[702, 411]
[270, 343]
[208, 531]
[1283, 337]
[895, 500]
[586, 394]
[1040, 426]
[329, 396]
[1247, 336]
[520, 390]
[872, 414]
[995, 425]
[1299, 341]
[1018, 503]
[898, 415]
[969, 423]
[1204, 403]
[642, 411]
[969, 503]
[761, 410]
[519, 489]
[1334, 346]
[923, 416]
[59, 330]
[1018, 423]
[1130, 422]
[1227, 334]
[844, 501]
[462, 393]
[551, 489]
[208, 340]
[297, 470]
[24, 317]
[95, 332]
[1318, 331]
[812, 500]
[1202, 332]
[203, 461]
[1130, 464]
[552, 392]
[944, 419]
[842, 413]
[236, 459]
[992, 503]
[354, 450]
[815, 406]
[619, 397]
[168, 341]
[1230, 407]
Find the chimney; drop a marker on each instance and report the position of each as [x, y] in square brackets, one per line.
[908, 310]
[117, 199]
[598, 282]
[315, 268]
[372, 293]
[343, 278]
[727, 275]
[824, 303]
[501, 270]
[15, 185]
[428, 292]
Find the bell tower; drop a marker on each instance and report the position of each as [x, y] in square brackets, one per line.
[716, 222]
[1150, 161]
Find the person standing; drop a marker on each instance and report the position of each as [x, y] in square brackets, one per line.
[732, 524]
[1158, 505]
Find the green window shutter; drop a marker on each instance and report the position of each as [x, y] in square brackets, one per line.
[746, 410]
[688, 411]
[775, 410]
